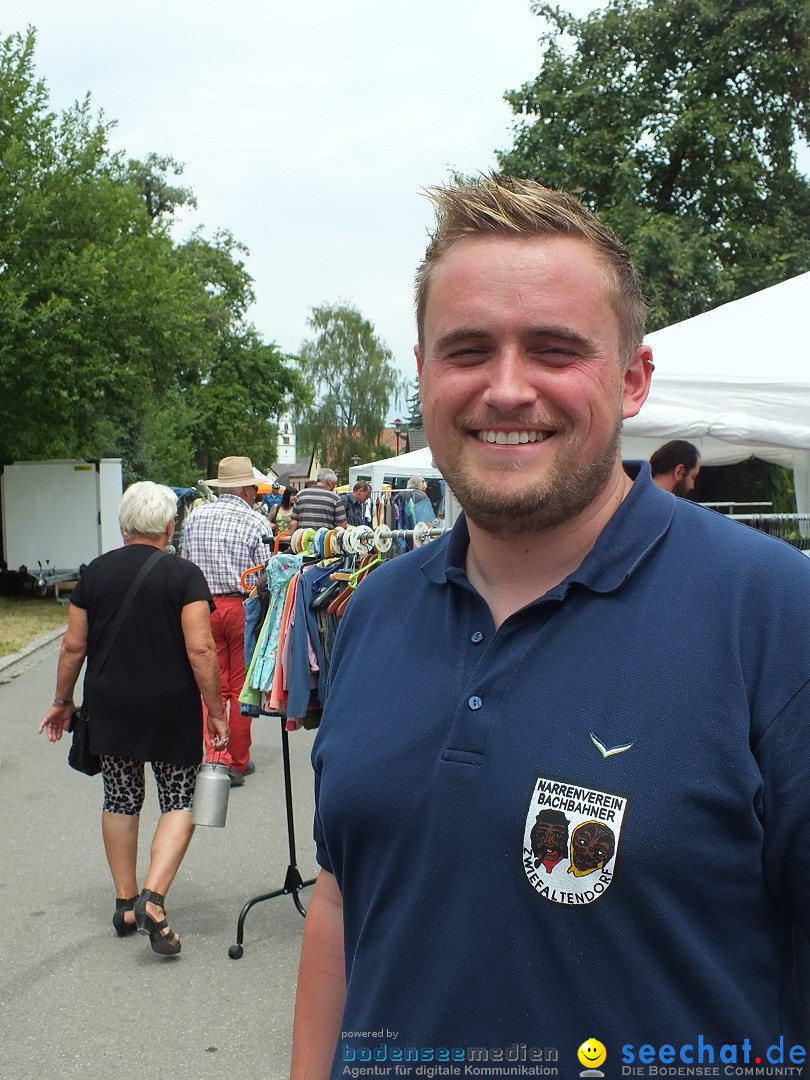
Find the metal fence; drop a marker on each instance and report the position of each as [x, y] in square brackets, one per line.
[793, 528]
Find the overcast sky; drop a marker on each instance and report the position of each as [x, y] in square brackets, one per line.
[308, 128]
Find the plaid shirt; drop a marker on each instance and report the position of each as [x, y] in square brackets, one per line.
[225, 538]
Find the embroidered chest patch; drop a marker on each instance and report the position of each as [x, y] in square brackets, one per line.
[570, 841]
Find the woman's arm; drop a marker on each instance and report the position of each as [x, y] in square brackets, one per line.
[321, 990]
[71, 658]
[202, 655]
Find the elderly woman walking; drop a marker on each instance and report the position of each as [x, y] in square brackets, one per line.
[144, 703]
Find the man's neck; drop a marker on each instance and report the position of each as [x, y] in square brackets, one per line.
[511, 571]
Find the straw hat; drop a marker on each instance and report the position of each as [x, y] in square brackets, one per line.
[234, 472]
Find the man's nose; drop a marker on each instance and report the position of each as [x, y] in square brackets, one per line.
[511, 381]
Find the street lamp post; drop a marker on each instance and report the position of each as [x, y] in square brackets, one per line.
[399, 432]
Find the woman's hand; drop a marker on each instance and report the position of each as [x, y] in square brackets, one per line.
[55, 721]
[219, 731]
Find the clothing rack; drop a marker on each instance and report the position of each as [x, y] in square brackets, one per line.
[293, 882]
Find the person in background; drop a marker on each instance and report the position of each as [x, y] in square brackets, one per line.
[272, 498]
[281, 515]
[225, 538]
[675, 467]
[144, 704]
[318, 506]
[354, 502]
[422, 506]
[589, 815]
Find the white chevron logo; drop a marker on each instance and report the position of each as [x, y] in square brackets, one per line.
[603, 750]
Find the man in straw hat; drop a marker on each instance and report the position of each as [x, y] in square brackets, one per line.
[225, 538]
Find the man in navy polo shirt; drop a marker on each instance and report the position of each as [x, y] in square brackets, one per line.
[586, 814]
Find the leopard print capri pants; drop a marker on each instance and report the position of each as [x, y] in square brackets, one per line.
[125, 785]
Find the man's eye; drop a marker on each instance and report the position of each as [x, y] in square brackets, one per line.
[561, 353]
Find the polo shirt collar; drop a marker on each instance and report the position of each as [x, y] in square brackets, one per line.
[641, 520]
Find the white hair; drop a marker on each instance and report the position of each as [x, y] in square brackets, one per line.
[415, 482]
[327, 476]
[146, 509]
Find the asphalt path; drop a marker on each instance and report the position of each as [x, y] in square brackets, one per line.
[75, 1000]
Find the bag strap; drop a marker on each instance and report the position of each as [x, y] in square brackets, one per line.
[137, 581]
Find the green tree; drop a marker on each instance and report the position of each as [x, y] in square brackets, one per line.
[677, 121]
[353, 381]
[151, 179]
[114, 340]
[414, 419]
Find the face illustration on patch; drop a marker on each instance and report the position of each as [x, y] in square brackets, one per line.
[592, 845]
[549, 838]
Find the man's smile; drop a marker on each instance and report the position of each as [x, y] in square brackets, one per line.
[512, 438]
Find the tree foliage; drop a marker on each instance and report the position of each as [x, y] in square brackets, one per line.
[353, 381]
[114, 339]
[414, 419]
[677, 121]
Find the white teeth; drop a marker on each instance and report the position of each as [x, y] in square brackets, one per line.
[511, 438]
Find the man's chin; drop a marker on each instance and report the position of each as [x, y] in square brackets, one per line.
[505, 513]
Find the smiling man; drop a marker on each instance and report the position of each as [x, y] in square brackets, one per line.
[551, 631]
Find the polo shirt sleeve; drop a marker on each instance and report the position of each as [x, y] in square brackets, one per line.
[321, 854]
[783, 755]
[340, 513]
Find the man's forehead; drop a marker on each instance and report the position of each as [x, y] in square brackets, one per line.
[564, 274]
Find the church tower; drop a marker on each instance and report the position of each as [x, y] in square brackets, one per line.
[286, 440]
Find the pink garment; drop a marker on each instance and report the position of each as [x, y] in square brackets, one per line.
[278, 697]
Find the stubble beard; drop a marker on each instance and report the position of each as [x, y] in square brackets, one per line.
[567, 489]
[682, 489]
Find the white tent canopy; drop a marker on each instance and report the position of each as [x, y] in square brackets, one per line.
[736, 382]
[415, 463]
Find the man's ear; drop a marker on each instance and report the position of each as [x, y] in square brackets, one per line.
[680, 472]
[636, 381]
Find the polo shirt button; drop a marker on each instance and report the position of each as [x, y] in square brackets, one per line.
[475, 703]
[477, 637]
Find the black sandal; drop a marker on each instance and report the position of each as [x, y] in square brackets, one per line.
[166, 944]
[122, 927]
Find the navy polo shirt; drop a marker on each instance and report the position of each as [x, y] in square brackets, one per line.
[592, 823]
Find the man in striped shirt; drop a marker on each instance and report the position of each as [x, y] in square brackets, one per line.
[318, 506]
[225, 538]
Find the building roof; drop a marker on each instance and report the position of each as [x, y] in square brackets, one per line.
[417, 440]
[300, 470]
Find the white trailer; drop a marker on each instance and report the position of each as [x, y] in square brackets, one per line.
[58, 515]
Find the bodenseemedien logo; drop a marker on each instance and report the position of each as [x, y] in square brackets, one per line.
[592, 1054]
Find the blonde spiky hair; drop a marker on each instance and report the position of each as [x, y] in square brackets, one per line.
[497, 205]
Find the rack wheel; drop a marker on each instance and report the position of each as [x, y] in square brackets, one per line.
[236, 952]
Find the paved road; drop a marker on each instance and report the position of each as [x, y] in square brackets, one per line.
[75, 1000]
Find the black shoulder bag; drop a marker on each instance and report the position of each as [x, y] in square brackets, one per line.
[79, 756]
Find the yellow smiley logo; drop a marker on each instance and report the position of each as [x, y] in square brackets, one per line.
[592, 1054]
